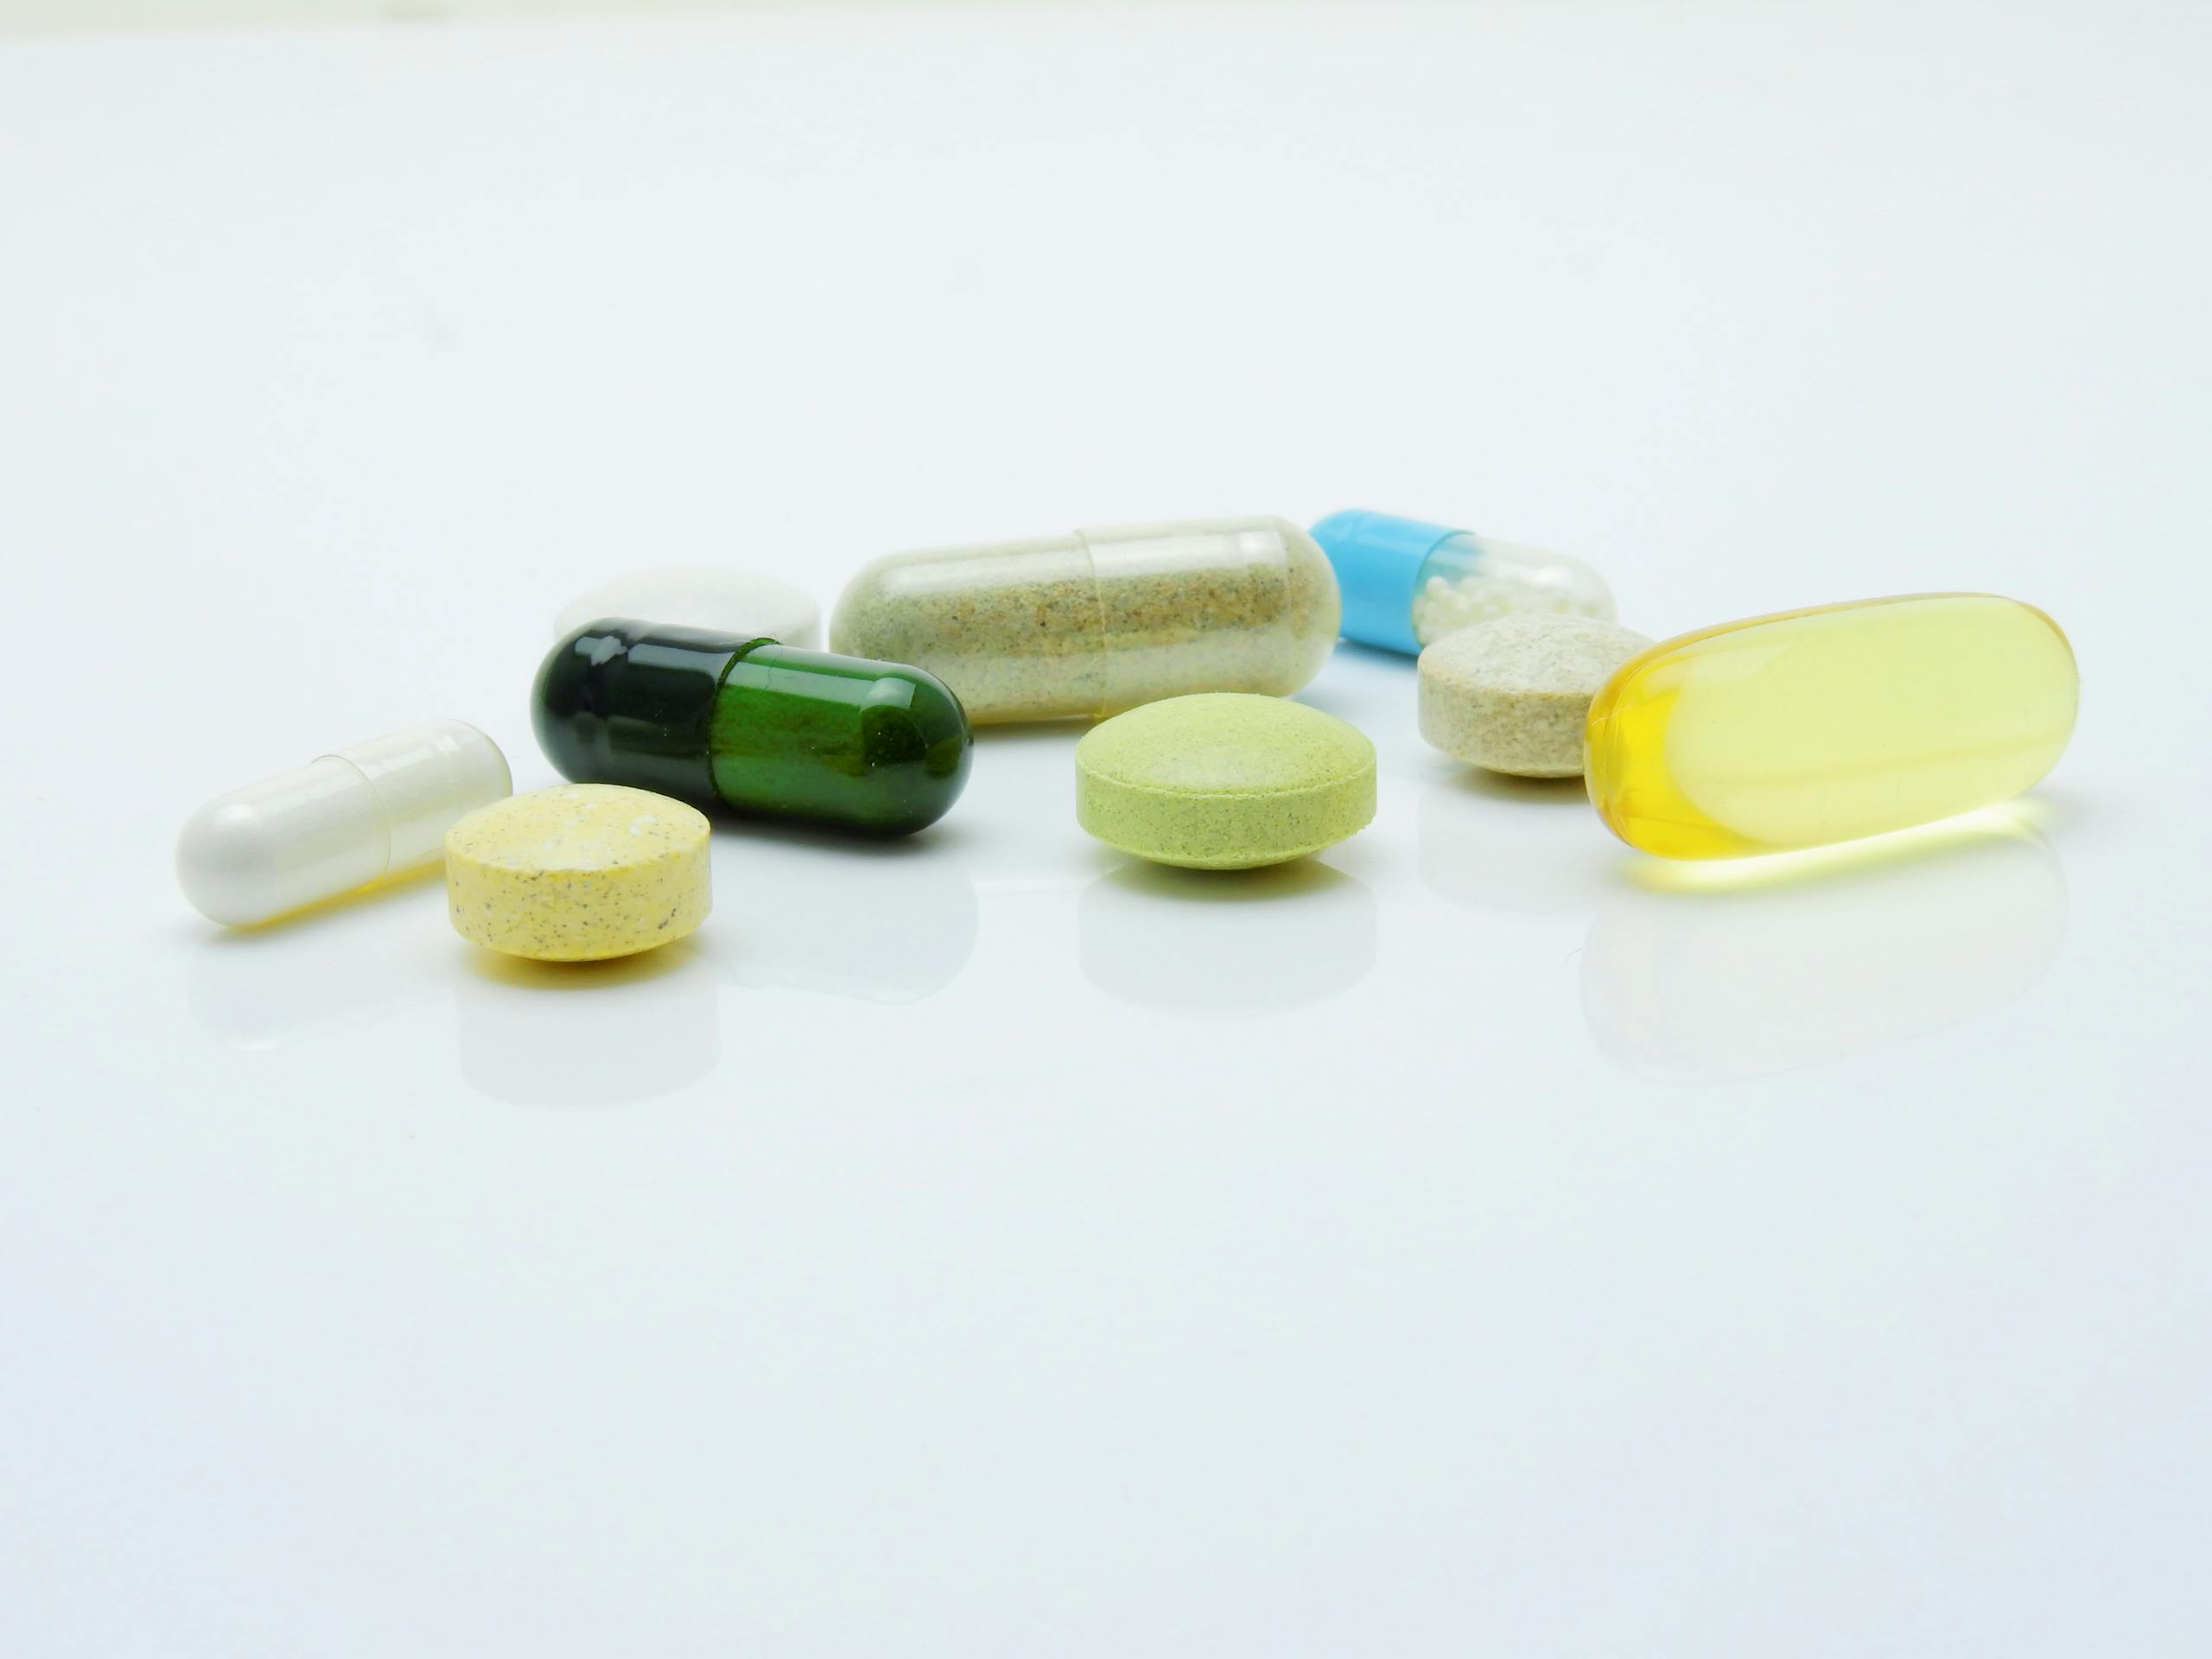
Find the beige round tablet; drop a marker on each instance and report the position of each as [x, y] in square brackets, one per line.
[578, 873]
[1511, 695]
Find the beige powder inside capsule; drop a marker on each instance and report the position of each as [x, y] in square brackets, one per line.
[1075, 625]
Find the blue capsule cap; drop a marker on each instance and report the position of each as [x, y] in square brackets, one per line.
[1377, 560]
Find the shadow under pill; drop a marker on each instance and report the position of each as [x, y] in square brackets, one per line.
[1478, 783]
[1014, 734]
[935, 840]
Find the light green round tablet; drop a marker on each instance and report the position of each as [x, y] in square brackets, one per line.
[1223, 781]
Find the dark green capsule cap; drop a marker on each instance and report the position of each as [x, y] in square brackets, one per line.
[621, 702]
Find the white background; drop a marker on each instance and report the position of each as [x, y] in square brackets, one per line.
[1478, 1240]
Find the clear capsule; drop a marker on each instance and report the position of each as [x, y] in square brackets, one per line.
[1096, 622]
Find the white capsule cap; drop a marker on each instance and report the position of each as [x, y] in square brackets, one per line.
[359, 815]
[701, 597]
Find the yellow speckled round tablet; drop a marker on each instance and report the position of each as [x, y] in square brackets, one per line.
[1223, 781]
[578, 873]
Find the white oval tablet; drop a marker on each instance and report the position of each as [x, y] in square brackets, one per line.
[701, 597]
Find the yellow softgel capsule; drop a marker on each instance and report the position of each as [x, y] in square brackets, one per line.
[1828, 724]
[578, 873]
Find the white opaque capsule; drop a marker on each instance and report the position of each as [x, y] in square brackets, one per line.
[1096, 622]
[358, 815]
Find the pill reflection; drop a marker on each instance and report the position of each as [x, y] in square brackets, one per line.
[1687, 978]
[272, 988]
[1504, 844]
[1223, 943]
[875, 925]
[586, 1033]
[530, 1033]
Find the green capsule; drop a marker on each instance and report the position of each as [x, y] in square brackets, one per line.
[761, 728]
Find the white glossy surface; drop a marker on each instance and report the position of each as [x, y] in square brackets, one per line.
[1476, 1241]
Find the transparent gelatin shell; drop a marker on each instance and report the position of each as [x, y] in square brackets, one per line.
[1827, 725]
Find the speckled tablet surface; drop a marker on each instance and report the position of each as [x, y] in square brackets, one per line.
[578, 873]
[1511, 695]
[1223, 781]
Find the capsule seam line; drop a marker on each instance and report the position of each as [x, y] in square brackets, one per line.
[1099, 598]
[714, 707]
[383, 811]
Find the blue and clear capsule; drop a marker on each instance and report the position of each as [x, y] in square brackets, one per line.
[1407, 584]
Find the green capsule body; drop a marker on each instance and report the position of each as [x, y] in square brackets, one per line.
[761, 728]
